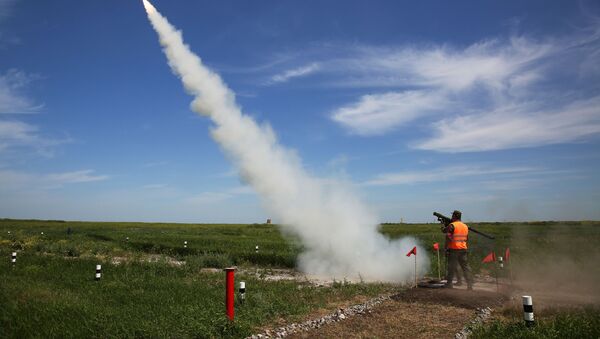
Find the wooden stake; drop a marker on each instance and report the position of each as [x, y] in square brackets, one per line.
[510, 272]
[496, 270]
[415, 270]
[439, 273]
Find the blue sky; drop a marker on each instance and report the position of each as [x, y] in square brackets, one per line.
[493, 109]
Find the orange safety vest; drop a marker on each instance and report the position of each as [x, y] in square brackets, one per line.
[458, 239]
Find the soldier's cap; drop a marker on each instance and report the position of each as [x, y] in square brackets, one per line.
[457, 213]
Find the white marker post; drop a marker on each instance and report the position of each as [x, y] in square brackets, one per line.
[42, 233]
[98, 272]
[256, 249]
[127, 239]
[185, 244]
[528, 310]
[501, 262]
[242, 291]
[13, 258]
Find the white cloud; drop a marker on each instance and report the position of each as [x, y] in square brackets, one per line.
[294, 73]
[442, 174]
[6, 8]
[154, 186]
[207, 198]
[212, 197]
[516, 127]
[486, 63]
[16, 134]
[431, 78]
[378, 113]
[11, 98]
[74, 177]
[24, 181]
[491, 95]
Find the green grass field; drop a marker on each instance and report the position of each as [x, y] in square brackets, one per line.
[51, 291]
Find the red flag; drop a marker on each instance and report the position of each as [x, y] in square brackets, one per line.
[413, 251]
[490, 257]
[436, 246]
[507, 254]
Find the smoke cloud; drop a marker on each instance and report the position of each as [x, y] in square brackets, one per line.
[338, 232]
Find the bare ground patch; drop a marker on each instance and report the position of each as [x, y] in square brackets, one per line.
[398, 319]
[412, 313]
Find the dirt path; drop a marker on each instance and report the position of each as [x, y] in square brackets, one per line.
[414, 313]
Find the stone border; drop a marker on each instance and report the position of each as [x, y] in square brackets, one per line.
[338, 315]
[482, 315]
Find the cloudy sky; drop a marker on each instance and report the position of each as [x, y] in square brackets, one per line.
[493, 109]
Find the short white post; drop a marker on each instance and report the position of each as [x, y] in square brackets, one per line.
[242, 291]
[501, 262]
[256, 249]
[528, 310]
[13, 258]
[127, 239]
[185, 244]
[42, 233]
[98, 272]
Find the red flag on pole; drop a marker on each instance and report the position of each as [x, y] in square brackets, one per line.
[413, 251]
[436, 247]
[490, 257]
[507, 254]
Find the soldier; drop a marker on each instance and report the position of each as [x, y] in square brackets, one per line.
[457, 234]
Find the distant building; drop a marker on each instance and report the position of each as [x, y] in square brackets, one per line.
[269, 221]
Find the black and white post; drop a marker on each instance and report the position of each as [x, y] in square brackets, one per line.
[256, 249]
[501, 262]
[98, 272]
[528, 310]
[242, 291]
[185, 244]
[13, 258]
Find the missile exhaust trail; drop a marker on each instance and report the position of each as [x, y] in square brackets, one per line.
[338, 232]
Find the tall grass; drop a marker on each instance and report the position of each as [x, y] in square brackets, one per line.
[55, 297]
[571, 324]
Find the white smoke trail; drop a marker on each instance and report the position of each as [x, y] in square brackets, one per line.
[339, 233]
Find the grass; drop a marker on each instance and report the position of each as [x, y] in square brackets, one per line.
[47, 296]
[51, 291]
[583, 323]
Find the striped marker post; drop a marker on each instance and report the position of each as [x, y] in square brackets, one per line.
[256, 249]
[501, 262]
[13, 258]
[528, 311]
[185, 244]
[242, 291]
[98, 272]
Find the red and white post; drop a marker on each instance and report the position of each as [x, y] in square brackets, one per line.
[229, 292]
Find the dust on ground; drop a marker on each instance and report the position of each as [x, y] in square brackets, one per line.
[413, 313]
[398, 319]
